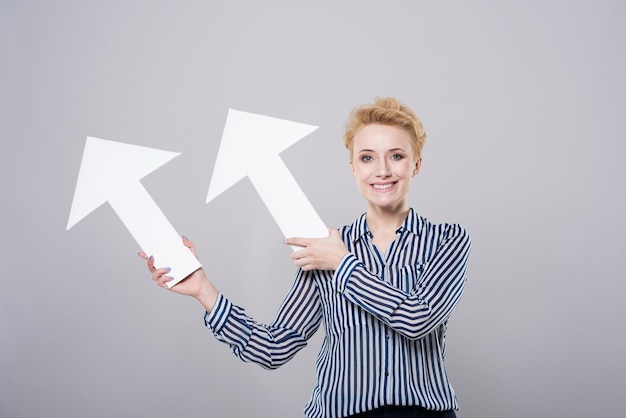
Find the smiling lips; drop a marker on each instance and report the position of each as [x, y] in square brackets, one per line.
[383, 186]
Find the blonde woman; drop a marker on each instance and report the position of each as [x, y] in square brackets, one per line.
[383, 286]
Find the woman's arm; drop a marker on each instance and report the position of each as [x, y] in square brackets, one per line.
[270, 346]
[414, 314]
[418, 313]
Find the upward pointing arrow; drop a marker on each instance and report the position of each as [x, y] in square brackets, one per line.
[250, 147]
[111, 171]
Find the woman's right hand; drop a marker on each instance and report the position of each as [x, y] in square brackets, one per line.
[196, 284]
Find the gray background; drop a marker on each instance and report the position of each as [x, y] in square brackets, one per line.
[524, 106]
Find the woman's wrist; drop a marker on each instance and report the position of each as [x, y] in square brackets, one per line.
[207, 295]
[340, 259]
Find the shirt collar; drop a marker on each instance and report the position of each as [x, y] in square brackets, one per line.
[412, 223]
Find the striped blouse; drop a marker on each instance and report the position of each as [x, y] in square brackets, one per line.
[385, 318]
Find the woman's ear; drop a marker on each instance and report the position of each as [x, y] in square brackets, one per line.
[418, 166]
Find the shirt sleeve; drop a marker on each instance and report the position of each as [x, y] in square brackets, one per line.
[270, 346]
[418, 313]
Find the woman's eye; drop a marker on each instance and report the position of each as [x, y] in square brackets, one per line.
[397, 157]
[366, 158]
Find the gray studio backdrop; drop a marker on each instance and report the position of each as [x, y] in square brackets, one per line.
[523, 103]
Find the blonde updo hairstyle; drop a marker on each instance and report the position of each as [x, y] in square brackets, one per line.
[386, 111]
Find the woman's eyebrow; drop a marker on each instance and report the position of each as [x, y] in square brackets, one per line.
[390, 150]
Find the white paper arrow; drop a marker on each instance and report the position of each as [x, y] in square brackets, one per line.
[250, 147]
[111, 171]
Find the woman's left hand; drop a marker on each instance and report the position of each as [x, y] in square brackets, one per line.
[319, 253]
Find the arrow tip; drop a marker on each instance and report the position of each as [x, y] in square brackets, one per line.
[248, 141]
[106, 167]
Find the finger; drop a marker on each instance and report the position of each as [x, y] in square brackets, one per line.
[190, 245]
[300, 242]
[307, 267]
[163, 281]
[299, 254]
[142, 255]
[303, 262]
[159, 275]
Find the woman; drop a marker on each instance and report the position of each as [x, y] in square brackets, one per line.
[384, 287]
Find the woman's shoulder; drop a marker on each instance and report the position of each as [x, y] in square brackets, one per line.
[353, 231]
[445, 229]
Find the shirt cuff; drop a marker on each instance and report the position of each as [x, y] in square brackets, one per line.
[346, 266]
[216, 319]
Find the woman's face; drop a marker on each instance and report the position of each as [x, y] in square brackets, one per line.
[383, 165]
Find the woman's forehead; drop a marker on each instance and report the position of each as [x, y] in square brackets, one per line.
[381, 138]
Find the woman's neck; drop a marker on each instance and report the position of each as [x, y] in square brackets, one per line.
[384, 220]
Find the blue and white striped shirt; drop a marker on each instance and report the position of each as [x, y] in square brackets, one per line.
[385, 317]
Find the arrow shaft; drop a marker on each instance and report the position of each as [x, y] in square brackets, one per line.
[152, 231]
[285, 200]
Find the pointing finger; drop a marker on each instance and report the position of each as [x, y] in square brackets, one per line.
[300, 242]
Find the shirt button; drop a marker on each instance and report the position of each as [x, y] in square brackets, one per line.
[386, 374]
[386, 336]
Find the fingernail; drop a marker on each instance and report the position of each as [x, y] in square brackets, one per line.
[168, 269]
[151, 257]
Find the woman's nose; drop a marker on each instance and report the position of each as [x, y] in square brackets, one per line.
[383, 169]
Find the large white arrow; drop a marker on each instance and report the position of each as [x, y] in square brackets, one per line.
[111, 171]
[250, 147]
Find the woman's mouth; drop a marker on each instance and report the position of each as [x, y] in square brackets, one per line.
[384, 186]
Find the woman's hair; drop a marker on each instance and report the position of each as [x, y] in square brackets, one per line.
[385, 111]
